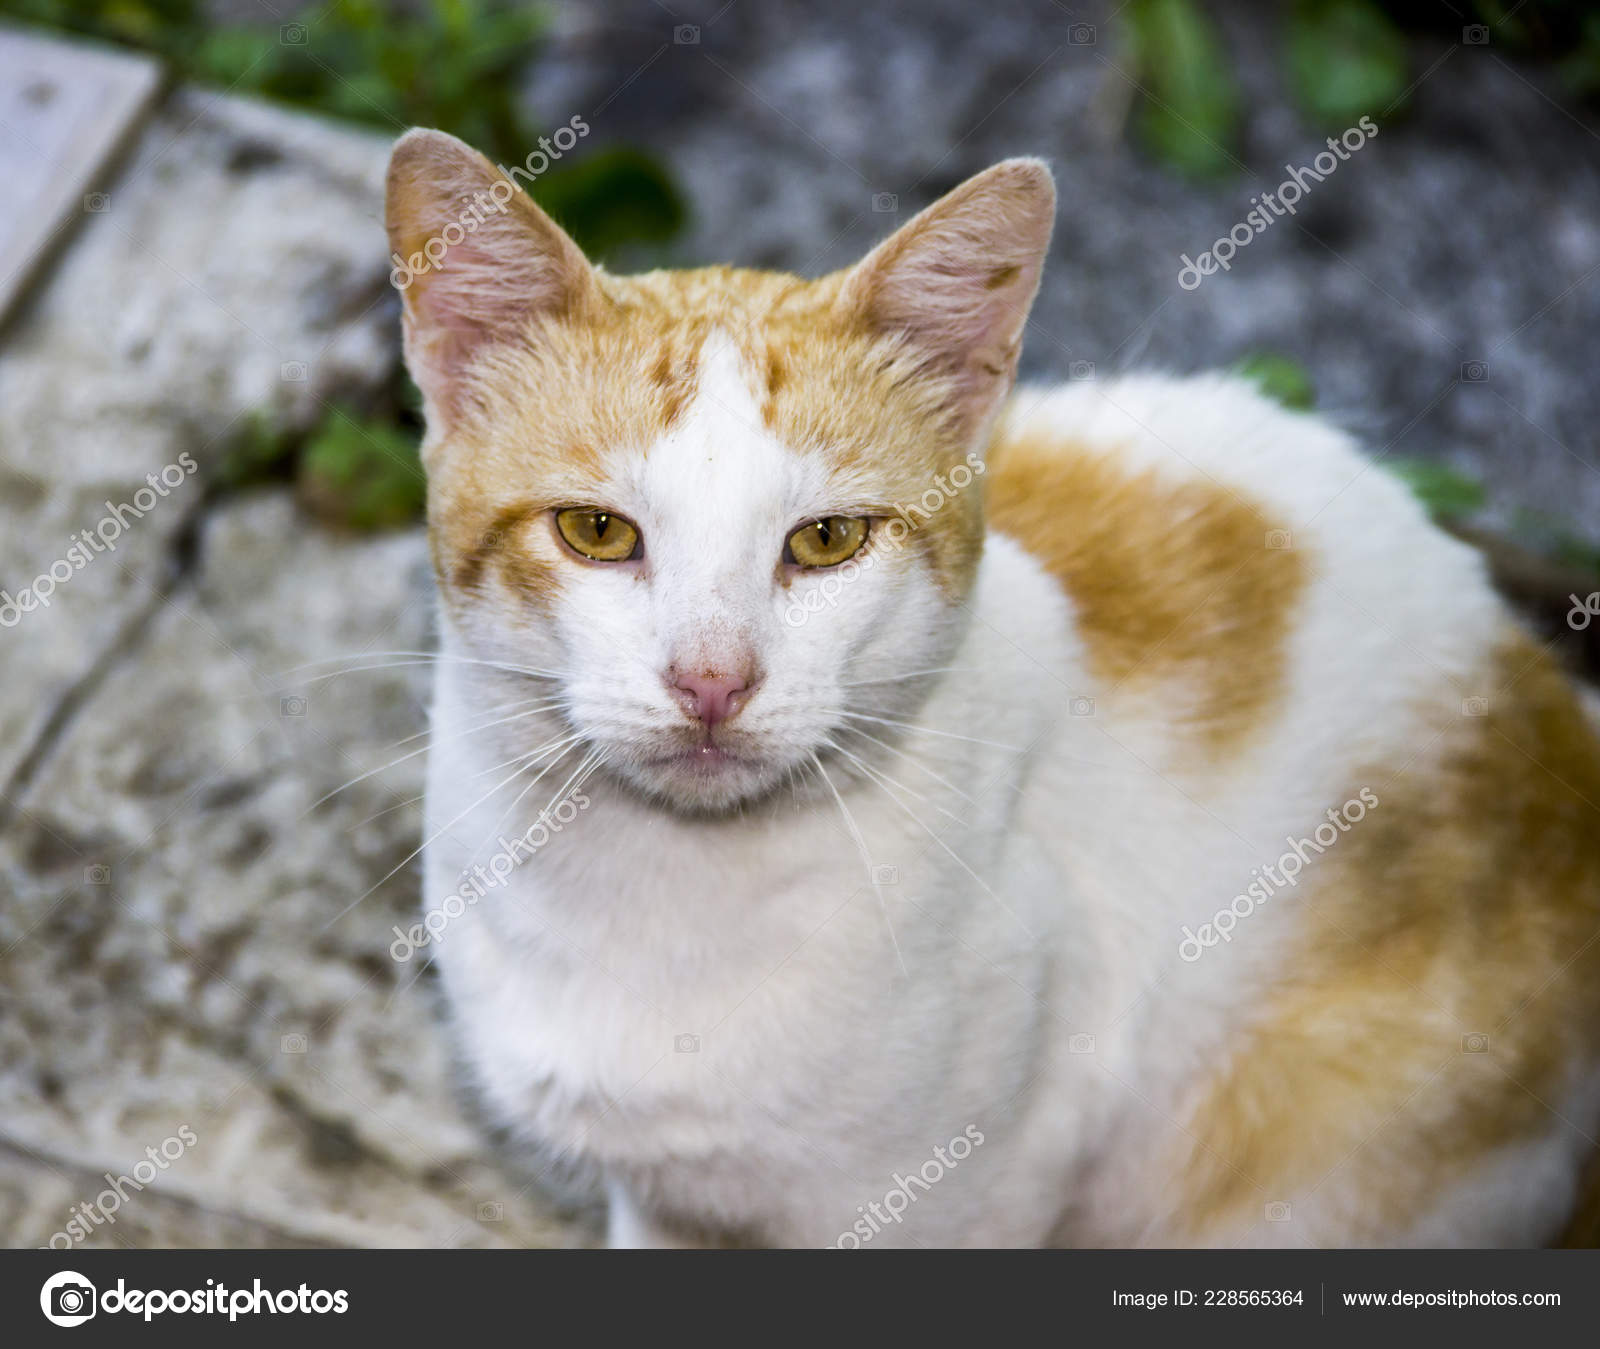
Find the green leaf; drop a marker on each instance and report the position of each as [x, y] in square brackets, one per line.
[1190, 110]
[612, 197]
[259, 453]
[451, 64]
[1447, 493]
[1556, 538]
[365, 475]
[1346, 60]
[1281, 378]
[1579, 70]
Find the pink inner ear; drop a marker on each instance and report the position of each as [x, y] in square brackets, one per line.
[483, 291]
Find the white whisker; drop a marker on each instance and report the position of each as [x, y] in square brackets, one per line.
[423, 749]
[956, 858]
[928, 730]
[421, 847]
[866, 858]
[566, 748]
[909, 758]
[878, 773]
[423, 658]
[528, 705]
[895, 679]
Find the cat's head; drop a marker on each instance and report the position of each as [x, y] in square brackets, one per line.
[727, 508]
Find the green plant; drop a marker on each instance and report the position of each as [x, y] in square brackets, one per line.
[261, 452]
[1189, 114]
[1346, 60]
[1280, 377]
[451, 64]
[361, 472]
[1557, 539]
[166, 27]
[1446, 492]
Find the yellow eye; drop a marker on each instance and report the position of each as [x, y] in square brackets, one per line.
[827, 543]
[598, 535]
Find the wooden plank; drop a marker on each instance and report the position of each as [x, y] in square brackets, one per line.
[65, 108]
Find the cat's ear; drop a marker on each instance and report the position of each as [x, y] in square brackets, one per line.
[958, 280]
[474, 260]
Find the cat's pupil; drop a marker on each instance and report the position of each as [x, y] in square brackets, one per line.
[601, 523]
[824, 532]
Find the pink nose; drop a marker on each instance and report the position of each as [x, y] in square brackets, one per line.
[712, 696]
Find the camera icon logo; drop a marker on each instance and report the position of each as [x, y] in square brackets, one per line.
[292, 1044]
[686, 35]
[1080, 35]
[685, 1044]
[1277, 1212]
[491, 1213]
[67, 1299]
[292, 706]
[1474, 707]
[1081, 707]
[1475, 1042]
[97, 875]
[292, 372]
[1475, 34]
[885, 202]
[97, 203]
[1279, 539]
[1080, 1044]
[1474, 372]
[1080, 370]
[293, 35]
[886, 875]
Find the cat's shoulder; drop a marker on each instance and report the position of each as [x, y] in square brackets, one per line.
[1155, 437]
[1208, 537]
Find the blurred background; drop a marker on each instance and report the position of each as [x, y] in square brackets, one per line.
[205, 1038]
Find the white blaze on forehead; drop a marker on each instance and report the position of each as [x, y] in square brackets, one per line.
[720, 489]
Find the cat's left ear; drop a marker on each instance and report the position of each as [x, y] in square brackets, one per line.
[958, 280]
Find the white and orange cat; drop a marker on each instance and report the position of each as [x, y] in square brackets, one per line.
[1123, 780]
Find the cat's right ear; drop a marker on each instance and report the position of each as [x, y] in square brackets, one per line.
[475, 261]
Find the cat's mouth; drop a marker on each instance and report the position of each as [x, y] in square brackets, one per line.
[706, 757]
[714, 770]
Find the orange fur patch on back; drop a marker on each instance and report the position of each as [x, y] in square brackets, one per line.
[1448, 988]
[1174, 586]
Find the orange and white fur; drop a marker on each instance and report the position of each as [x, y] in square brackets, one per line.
[881, 852]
